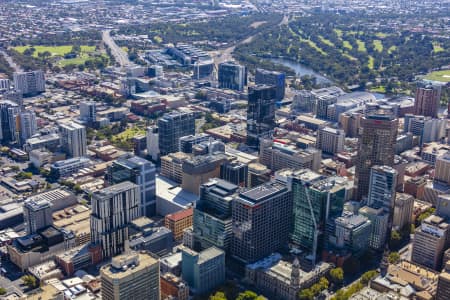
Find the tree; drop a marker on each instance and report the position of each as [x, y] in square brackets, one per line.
[369, 275]
[337, 275]
[247, 295]
[29, 281]
[218, 296]
[2, 291]
[413, 229]
[306, 294]
[394, 257]
[396, 236]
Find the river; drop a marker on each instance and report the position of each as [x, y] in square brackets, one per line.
[301, 70]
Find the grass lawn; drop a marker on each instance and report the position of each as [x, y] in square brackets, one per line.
[381, 34]
[349, 56]
[361, 46]
[378, 89]
[347, 45]
[339, 32]
[371, 62]
[128, 134]
[314, 45]
[124, 48]
[54, 50]
[325, 41]
[443, 76]
[437, 47]
[391, 49]
[378, 44]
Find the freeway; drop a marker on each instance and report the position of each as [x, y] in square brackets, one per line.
[120, 55]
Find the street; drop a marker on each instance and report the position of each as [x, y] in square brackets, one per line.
[120, 55]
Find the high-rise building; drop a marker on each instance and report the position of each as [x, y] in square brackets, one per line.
[29, 83]
[131, 276]
[37, 214]
[273, 78]
[403, 211]
[379, 219]
[152, 142]
[88, 112]
[189, 141]
[113, 208]
[442, 168]
[430, 242]
[277, 155]
[212, 215]
[426, 128]
[318, 201]
[172, 126]
[427, 100]
[382, 185]
[9, 111]
[257, 174]
[28, 125]
[262, 219]
[141, 172]
[73, 139]
[352, 233]
[179, 221]
[203, 271]
[234, 171]
[330, 140]
[232, 76]
[260, 113]
[5, 84]
[376, 147]
[443, 285]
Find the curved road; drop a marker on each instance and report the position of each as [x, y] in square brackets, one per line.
[120, 55]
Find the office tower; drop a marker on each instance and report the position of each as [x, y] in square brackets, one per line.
[304, 101]
[8, 121]
[262, 219]
[443, 285]
[352, 233]
[28, 125]
[232, 76]
[152, 142]
[199, 169]
[430, 242]
[426, 128]
[317, 201]
[88, 112]
[131, 276]
[29, 83]
[379, 219]
[443, 206]
[376, 147]
[178, 222]
[212, 215]
[203, 271]
[260, 113]
[37, 214]
[403, 211]
[113, 208]
[257, 174]
[234, 171]
[189, 141]
[442, 168]
[427, 99]
[172, 166]
[330, 140]
[73, 139]
[142, 173]
[277, 155]
[172, 126]
[382, 185]
[272, 78]
[323, 104]
[5, 84]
